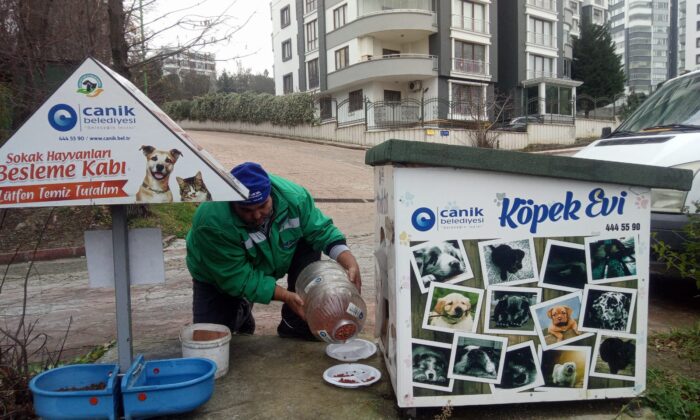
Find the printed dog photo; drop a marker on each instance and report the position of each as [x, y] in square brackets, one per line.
[558, 320]
[442, 262]
[614, 357]
[565, 367]
[452, 308]
[521, 369]
[509, 310]
[563, 266]
[608, 308]
[430, 363]
[508, 263]
[477, 357]
[155, 187]
[611, 259]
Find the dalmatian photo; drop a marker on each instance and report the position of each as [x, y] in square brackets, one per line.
[478, 358]
[451, 308]
[611, 259]
[509, 310]
[565, 367]
[563, 266]
[608, 308]
[558, 320]
[442, 262]
[430, 362]
[521, 370]
[614, 357]
[508, 263]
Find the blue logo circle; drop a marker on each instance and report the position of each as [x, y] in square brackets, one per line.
[423, 219]
[62, 117]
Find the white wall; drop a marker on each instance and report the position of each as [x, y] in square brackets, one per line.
[279, 35]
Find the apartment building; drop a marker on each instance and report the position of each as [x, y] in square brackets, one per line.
[690, 47]
[361, 52]
[595, 11]
[186, 61]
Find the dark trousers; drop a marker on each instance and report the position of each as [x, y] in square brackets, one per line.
[210, 305]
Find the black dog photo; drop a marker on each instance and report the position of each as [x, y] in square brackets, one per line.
[478, 357]
[444, 262]
[614, 357]
[611, 259]
[564, 266]
[608, 308]
[521, 369]
[508, 263]
[509, 310]
[430, 363]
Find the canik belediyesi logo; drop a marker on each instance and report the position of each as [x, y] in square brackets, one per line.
[90, 85]
[423, 219]
[62, 117]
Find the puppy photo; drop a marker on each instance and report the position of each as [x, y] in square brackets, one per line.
[451, 308]
[608, 308]
[443, 262]
[564, 266]
[509, 310]
[614, 357]
[477, 357]
[558, 320]
[155, 187]
[430, 363]
[521, 369]
[508, 263]
[611, 259]
[565, 367]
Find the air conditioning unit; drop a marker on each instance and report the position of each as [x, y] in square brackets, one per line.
[415, 86]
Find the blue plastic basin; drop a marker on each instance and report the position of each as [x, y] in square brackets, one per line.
[161, 387]
[50, 403]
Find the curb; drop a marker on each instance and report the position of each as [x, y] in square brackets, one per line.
[42, 255]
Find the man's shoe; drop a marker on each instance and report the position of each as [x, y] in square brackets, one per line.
[248, 327]
[295, 328]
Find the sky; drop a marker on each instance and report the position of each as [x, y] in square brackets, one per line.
[250, 44]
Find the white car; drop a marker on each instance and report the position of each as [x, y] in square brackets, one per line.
[663, 131]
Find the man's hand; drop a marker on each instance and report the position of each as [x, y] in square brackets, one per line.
[349, 263]
[290, 298]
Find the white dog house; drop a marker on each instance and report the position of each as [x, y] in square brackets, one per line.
[507, 277]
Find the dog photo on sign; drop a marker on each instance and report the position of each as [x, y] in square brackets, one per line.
[611, 258]
[430, 362]
[440, 261]
[564, 367]
[563, 266]
[608, 309]
[477, 357]
[557, 320]
[614, 357]
[451, 308]
[508, 262]
[509, 310]
[521, 369]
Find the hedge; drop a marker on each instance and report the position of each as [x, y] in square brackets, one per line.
[256, 108]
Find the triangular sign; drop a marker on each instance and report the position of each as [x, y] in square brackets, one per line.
[99, 140]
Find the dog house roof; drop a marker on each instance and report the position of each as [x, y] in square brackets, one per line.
[402, 152]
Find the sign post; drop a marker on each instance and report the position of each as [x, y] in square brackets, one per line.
[122, 285]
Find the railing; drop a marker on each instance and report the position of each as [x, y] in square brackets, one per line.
[542, 39]
[365, 7]
[470, 24]
[434, 58]
[463, 65]
[535, 74]
[550, 5]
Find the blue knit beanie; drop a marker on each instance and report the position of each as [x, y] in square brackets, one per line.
[254, 177]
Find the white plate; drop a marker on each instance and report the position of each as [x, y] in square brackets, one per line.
[351, 351]
[355, 375]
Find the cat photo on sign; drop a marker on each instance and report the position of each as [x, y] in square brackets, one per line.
[193, 188]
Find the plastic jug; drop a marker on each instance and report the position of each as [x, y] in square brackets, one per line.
[333, 307]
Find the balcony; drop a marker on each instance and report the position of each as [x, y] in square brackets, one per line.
[395, 67]
[542, 40]
[471, 25]
[472, 67]
[539, 74]
[549, 5]
[390, 25]
[365, 7]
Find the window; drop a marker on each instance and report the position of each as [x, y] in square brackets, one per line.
[697, 59]
[698, 9]
[312, 71]
[312, 35]
[468, 99]
[341, 58]
[567, 67]
[697, 25]
[309, 6]
[392, 96]
[697, 42]
[326, 108]
[339, 16]
[355, 100]
[473, 17]
[284, 16]
[287, 50]
[387, 52]
[540, 67]
[470, 58]
[287, 83]
[540, 32]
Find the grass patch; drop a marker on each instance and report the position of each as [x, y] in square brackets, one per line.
[172, 219]
[672, 396]
[685, 343]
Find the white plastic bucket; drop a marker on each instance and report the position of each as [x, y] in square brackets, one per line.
[214, 350]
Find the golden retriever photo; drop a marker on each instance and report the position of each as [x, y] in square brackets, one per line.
[562, 321]
[452, 308]
[159, 165]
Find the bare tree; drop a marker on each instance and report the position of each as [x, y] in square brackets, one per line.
[483, 116]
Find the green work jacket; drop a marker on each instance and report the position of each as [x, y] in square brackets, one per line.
[223, 252]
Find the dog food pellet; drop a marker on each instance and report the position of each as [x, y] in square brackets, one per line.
[345, 332]
[347, 381]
